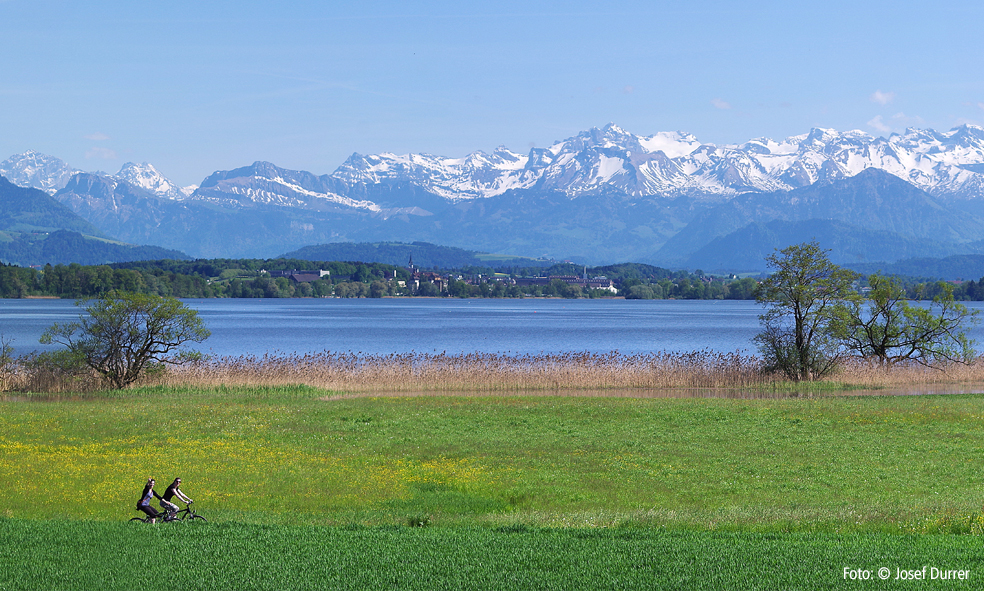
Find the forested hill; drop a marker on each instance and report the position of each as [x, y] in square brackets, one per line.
[65, 247]
[31, 210]
[284, 278]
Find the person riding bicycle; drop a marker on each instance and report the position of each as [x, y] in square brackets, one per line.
[146, 497]
[170, 492]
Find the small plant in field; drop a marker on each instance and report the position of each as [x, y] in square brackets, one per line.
[418, 520]
[977, 523]
[950, 522]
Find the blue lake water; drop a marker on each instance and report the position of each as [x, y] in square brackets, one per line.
[401, 325]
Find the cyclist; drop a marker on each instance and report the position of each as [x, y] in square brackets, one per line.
[173, 490]
[146, 497]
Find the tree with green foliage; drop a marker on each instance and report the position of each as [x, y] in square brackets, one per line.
[886, 328]
[641, 292]
[378, 289]
[122, 335]
[428, 289]
[804, 297]
[742, 289]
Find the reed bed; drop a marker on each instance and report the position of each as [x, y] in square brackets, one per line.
[421, 373]
[479, 372]
[865, 374]
[663, 374]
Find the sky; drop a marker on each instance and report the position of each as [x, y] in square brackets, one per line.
[195, 87]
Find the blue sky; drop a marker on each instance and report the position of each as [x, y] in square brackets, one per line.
[194, 87]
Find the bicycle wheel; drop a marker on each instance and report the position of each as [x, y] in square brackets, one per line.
[140, 519]
[194, 517]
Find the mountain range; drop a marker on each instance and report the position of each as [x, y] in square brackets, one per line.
[602, 196]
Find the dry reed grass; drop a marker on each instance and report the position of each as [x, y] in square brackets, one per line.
[50, 375]
[664, 374]
[575, 371]
[482, 372]
[861, 373]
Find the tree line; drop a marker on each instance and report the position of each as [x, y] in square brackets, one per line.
[251, 278]
[233, 278]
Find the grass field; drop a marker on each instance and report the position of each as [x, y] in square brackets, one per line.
[69, 555]
[561, 492]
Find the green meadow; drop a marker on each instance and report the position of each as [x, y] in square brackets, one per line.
[489, 492]
[109, 556]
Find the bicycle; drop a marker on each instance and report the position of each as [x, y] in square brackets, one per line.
[186, 514]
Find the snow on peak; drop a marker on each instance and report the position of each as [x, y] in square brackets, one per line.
[613, 129]
[672, 143]
[676, 163]
[665, 164]
[36, 170]
[148, 178]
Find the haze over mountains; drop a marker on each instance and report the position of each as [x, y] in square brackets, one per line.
[602, 196]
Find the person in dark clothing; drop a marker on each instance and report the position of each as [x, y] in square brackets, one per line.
[146, 497]
[173, 490]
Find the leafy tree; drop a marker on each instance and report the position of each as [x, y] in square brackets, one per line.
[377, 289]
[123, 334]
[804, 298]
[351, 289]
[459, 289]
[887, 328]
[640, 292]
[428, 289]
[742, 289]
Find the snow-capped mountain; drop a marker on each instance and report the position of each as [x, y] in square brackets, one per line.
[667, 164]
[605, 195]
[266, 184]
[38, 171]
[476, 175]
[148, 178]
[945, 164]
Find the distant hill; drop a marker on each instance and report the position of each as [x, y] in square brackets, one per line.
[425, 255]
[745, 249]
[869, 217]
[31, 210]
[965, 267]
[65, 247]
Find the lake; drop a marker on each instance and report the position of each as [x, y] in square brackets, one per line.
[402, 325]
